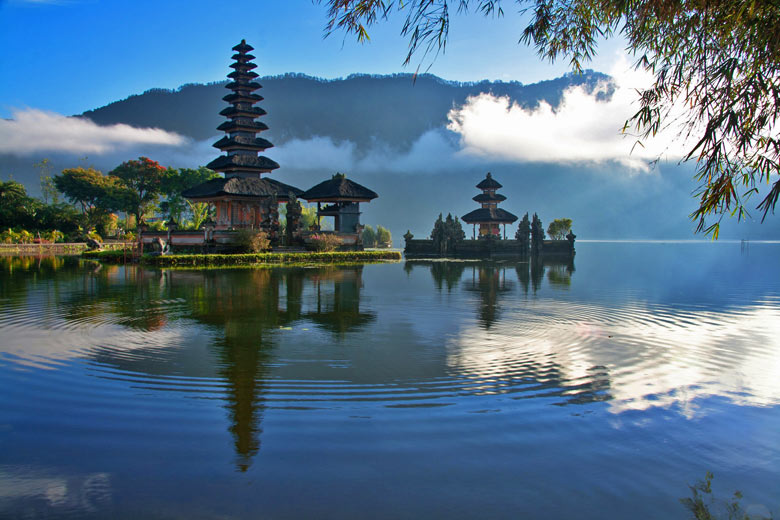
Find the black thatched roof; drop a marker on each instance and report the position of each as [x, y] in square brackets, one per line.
[339, 188]
[238, 75]
[242, 162]
[246, 87]
[242, 65]
[242, 98]
[489, 197]
[488, 215]
[489, 183]
[242, 187]
[243, 143]
[243, 112]
[245, 126]
[243, 47]
[242, 57]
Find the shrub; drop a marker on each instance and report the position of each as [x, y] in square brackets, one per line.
[25, 237]
[325, 242]
[253, 241]
[9, 236]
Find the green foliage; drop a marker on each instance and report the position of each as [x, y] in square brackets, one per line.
[48, 190]
[446, 233]
[177, 180]
[703, 505]
[201, 211]
[383, 237]
[558, 228]
[143, 181]
[325, 241]
[18, 210]
[716, 66]
[368, 236]
[523, 230]
[253, 241]
[95, 193]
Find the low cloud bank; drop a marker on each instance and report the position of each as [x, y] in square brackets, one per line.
[34, 131]
[584, 128]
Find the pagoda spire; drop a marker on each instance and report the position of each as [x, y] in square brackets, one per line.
[241, 144]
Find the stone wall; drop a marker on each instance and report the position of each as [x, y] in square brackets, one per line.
[486, 248]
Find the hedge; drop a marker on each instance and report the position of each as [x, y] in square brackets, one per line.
[249, 259]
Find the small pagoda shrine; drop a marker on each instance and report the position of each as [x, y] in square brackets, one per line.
[489, 216]
[243, 198]
[344, 197]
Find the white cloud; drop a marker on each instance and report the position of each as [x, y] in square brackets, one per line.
[31, 131]
[582, 129]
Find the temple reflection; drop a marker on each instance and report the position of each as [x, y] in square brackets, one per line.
[489, 280]
[243, 311]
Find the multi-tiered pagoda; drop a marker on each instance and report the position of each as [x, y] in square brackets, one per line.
[243, 197]
[489, 217]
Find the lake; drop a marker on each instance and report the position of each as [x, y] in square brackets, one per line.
[595, 389]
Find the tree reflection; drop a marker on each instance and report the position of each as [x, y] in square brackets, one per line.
[489, 280]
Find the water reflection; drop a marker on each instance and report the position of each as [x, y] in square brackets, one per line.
[274, 375]
[489, 279]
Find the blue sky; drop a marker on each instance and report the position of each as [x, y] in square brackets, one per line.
[68, 56]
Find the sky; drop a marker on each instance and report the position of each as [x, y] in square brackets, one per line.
[68, 56]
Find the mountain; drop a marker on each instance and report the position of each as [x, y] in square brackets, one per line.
[390, 134]
[363, 109]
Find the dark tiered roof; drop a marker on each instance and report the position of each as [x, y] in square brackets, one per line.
[241, 162]
[243, 143]
[339, 188]
[235, 97]
[243, 86]
[243, 187]
[242, 112]
[489, 183]
[242, 74]
[242, 65]
[243, 47]
[489, 197]
[242, 126]
[484, 215]
[242, 57]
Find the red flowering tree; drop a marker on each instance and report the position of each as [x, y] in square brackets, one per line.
[143, 180]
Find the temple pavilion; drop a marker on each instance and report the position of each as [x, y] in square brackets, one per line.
[489, 216]
[343, 197]
[243, 198]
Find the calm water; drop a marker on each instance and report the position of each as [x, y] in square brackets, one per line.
[412, 390]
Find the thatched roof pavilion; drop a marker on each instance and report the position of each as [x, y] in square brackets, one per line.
[489, 217]
[345, 196]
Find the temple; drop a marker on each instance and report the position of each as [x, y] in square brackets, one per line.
[489, 216]
[243, 198]
[344, 196]
[448, 240]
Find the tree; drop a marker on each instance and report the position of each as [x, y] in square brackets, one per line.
[95, 193]
[177, 180]
[143, 180]
[383, 236]
[523, 230]
[369, 236]
[48, 190]
[719, 61]
[558, 228]
[16, 207]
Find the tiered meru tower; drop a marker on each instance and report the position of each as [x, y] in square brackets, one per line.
[489, 216]
[243, 198]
